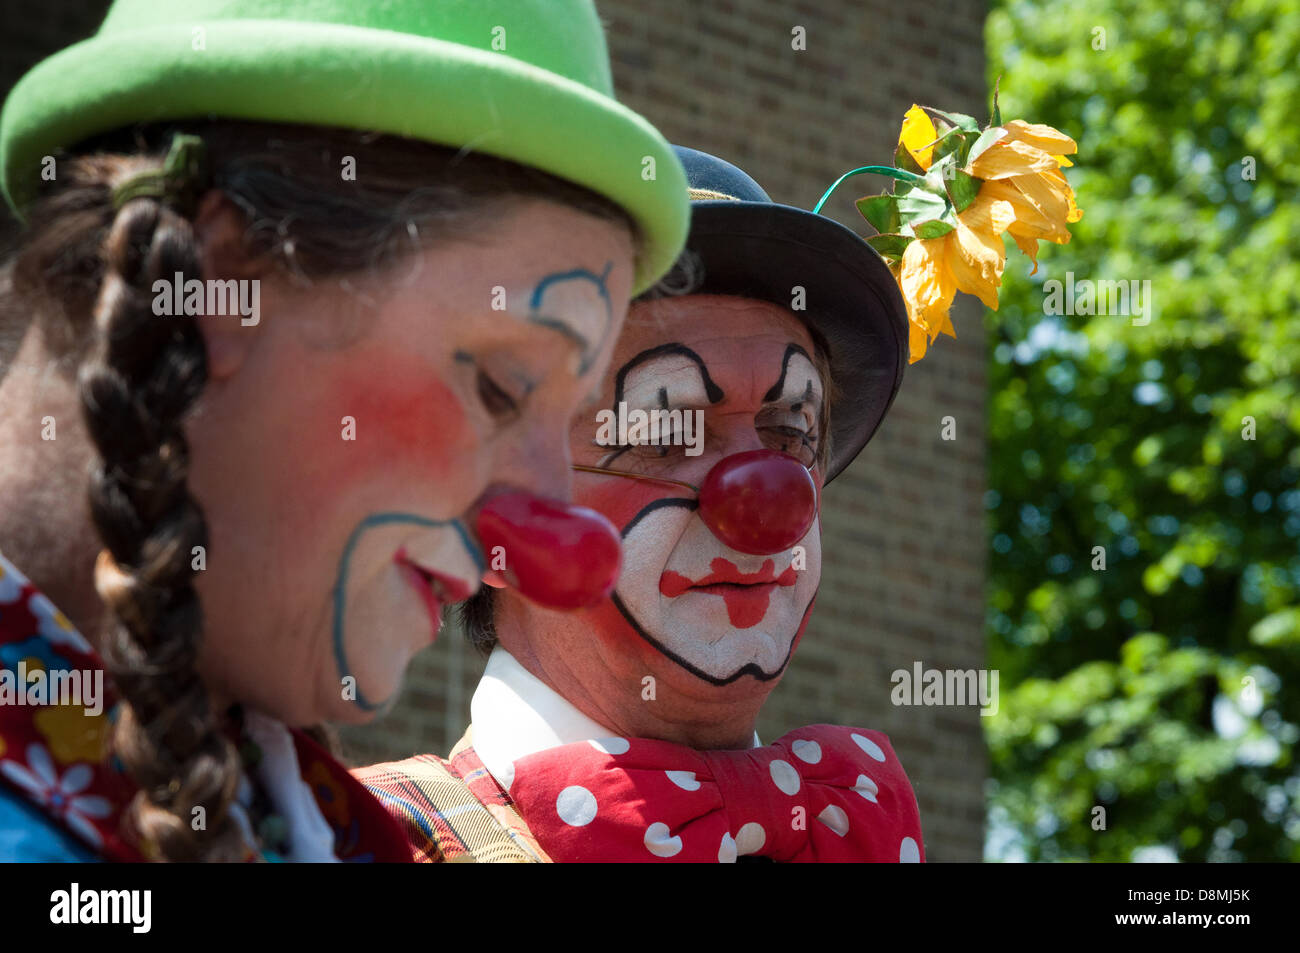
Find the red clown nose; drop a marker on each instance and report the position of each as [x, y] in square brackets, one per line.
[559, 556]
[759, 502]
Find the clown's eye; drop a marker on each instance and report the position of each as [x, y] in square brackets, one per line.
[496, 401]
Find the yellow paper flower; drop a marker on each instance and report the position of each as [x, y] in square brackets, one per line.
[928, 288]
[970, 258]
[918, 135]
[1024, 168]
[942, 232]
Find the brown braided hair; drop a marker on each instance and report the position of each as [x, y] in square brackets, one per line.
[141, 374]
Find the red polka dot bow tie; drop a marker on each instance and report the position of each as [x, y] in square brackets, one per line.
[822, 793]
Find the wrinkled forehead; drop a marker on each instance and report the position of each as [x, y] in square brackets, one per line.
[733, 337]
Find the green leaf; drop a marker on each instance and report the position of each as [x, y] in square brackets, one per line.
[952, 143]
[881, 211]
[903, 160]
[986, 139]
[1280, 628]
[963, 189]
[960, 120]
[920, 205]
[890, 246]
[935, 228]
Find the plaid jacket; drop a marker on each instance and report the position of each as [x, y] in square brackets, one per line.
[451, 809]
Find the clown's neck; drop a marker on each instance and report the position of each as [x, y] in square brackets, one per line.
[586, 682]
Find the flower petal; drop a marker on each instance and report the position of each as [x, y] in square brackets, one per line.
[918, 135]
[76, 778]
[916, 340]
[20, 776]
[1040, 136]
[92, 805]
[928, 289]
[1008, 157]
[1028, 246]
[83, 827]
[38, 759]
[976, 260]
[1046, 195]
[925, 279]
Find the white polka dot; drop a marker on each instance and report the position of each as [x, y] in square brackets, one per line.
[835, 818]
[614, 746]
[908, 852]
[684, 780]
[785, 777]
[576, 806]
[659, 843]
[507, 776]
[809, 752]
[869, 746]
[750, 838]
[867, 788]
[727, 852]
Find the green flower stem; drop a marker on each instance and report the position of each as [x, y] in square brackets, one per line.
[901, 174]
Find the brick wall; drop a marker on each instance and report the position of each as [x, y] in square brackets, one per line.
[904, 530]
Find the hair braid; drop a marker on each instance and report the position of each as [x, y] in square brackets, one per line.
[141, 377]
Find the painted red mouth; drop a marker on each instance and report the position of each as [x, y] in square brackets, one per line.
[434, 588]
[746, 595]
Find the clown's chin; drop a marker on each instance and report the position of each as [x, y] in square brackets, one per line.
[699, 636]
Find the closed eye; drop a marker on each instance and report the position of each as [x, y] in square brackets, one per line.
[496, 401]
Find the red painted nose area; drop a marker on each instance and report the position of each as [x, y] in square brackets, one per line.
[759, 502]
[558, 555]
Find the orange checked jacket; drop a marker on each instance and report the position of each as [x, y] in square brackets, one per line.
[451, 809]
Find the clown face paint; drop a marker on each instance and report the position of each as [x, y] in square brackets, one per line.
[717, 612]
[342, 461]
[688, 610]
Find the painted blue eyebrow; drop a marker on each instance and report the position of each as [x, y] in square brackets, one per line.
[536, 316]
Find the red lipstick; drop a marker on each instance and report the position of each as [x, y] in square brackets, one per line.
[746, 594]
[434, 588]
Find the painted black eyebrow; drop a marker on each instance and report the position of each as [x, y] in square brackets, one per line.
[556, 324]
[711, 390]
[774, 391]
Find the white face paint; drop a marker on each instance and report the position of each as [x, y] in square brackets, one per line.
[715, 611]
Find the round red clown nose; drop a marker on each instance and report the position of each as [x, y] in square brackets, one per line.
[759, 502]
[558, 555]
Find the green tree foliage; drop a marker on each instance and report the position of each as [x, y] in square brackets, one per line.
[1161, 688]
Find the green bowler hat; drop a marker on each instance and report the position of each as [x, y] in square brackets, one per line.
[525, 80]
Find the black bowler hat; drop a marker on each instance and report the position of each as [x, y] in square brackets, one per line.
[752, 247]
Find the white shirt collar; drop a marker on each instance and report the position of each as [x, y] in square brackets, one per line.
[514, 714]
[311, 840]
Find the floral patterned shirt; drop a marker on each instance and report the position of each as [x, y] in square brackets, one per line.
[63, 794]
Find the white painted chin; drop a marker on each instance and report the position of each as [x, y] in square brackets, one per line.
[719, 649]
[698, 627]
